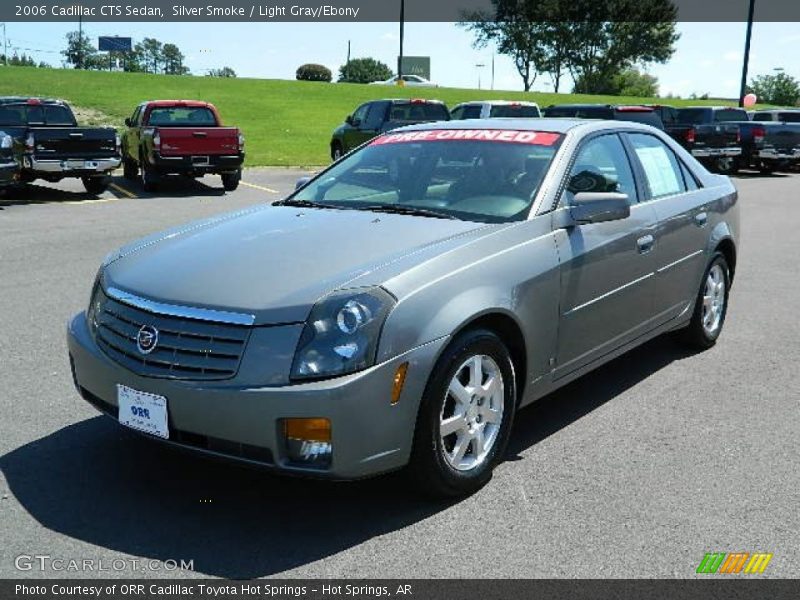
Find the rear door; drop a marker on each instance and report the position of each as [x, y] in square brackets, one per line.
[682, 232]
[606, 268]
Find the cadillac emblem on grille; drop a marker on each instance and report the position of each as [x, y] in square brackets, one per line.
[147, 339]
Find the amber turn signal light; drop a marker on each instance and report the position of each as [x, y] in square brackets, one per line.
[311, 430]
[399, 380]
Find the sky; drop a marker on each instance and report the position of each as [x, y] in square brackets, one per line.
[707, 58]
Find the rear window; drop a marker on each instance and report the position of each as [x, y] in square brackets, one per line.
[182, 117]
[790, 116]
[726, 115]
[514, 110]
[468, 111]
[693, 116]
[762, 117]
[648, 117]
[580, 112]
[418, 112]
[36, 114]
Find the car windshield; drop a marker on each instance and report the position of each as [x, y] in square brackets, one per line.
[522, 111]
[182, 117]
[473, 175]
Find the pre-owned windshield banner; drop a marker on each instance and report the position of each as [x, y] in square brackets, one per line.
[389, 10]
[508, 136]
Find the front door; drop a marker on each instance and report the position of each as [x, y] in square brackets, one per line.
[606, 268]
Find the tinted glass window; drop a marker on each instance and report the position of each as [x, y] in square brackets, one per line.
[790, 116]
[514, 110]
[13, 114]
[693, 116]
[762, 117]
[661, 168]
[182, 117]
[688, 178]
[418, 112]
[467, 174]
[360, 114]
[648, 117]
[473, 111]
[731, 114]
[375, 115]
[58, 116]
[602, 166]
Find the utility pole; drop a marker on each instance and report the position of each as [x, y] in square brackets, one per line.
[5, 45]
[402, 32]
[492, 70]
[743, 88]
[80, 41]
[479, 66]
[347, 64]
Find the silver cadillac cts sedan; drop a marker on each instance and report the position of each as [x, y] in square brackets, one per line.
[398, 309]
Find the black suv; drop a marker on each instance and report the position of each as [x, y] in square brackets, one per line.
[613, 112]
[374, 118]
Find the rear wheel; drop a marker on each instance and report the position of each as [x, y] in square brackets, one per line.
[766, 168]
[711, 305]
[129, 168]
[150, 178]
[465, 417]
[230, 181]
[336, 151]
[96, 185]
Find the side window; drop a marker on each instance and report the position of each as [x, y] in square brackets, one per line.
[456, 113]
[688, 178]
[662, 172]
[360, 114]
[762, 117]
[375, 115]
[602, 165]
[473, 111]
[136, 116]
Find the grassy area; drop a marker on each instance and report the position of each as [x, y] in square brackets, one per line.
[285, 122]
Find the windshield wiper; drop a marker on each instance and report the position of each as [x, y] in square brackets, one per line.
[406, 210]
[304, 204]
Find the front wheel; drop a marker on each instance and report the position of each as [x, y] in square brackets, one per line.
[710, 307]
[96, 185]
[465, 417]
[230, 181]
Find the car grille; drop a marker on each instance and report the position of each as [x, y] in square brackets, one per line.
[186, 349]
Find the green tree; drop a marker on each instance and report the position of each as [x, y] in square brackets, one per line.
[79, 50]
[780, 89]
[152, 52]
[173, 60]
[628, 82]
[364, 70]
[223, 72]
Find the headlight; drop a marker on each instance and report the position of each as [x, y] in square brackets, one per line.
[341, 334]
[6, 142]
[95, 306]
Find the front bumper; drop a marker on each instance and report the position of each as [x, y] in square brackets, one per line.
[9, 173]
[72, 167]
[200, 165]
[369, 434]
[715, 152]
[780, 155]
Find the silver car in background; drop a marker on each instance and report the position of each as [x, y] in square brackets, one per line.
[401, 306]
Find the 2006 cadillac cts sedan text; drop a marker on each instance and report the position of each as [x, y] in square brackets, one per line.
[400, 306]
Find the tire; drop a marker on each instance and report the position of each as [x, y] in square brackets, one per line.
[766, 168]
[452, 464]
[150, 178]
[96, 185]
[726, 165]
[130, 170]
[711, 306]
[337, 151]
[230, 181]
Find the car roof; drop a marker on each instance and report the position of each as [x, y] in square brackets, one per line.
[589, 105]
[18, 99]
[498, 102]
[407, 100]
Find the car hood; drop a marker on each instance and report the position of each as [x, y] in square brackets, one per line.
[276, 262]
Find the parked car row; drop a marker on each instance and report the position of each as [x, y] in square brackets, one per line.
[725, 139]
[41, 139]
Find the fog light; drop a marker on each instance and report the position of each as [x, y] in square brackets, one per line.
[399, 380]
[308, 441]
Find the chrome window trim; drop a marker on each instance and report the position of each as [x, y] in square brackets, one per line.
[175, 310]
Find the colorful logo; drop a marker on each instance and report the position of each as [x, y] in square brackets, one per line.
[734, 562]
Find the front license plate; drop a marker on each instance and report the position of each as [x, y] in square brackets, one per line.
[143, 411]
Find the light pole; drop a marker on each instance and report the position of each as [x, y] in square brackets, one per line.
[5, 45]
[402, 33]
[479, 66]
[743, 88]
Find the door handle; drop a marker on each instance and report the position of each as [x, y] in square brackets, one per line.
[701, 218]
[645, 243]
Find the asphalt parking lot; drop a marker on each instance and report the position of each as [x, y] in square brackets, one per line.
[635, 470]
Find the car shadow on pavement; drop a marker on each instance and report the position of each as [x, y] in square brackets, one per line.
[40, 194]
[174, 186]
[95, 482]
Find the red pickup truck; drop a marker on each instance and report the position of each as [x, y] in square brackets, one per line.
[180, 137]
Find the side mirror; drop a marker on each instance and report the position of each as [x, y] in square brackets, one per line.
[349, 119]
[128, 122]
[301, 182]
[599, 207]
